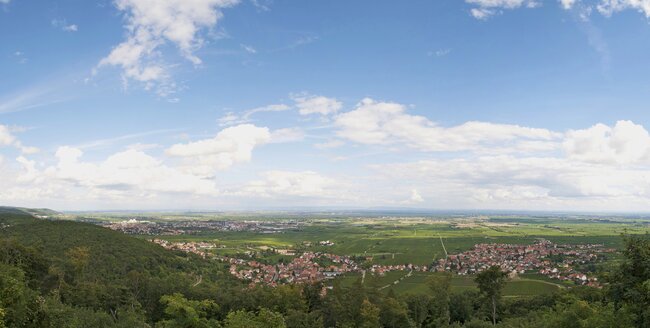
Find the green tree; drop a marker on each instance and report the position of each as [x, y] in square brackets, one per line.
[183, 313]
[369, 314]
[312, 295]
[418, 307]
[79, 258]
[490, 282]
[2, 318]
[28, 259]
[575, 313]
[462, 306]
[394, 314]
[299, 319]
[630, 282]
[16, 299]
[54, 314]
[438, 313]
[246, 319]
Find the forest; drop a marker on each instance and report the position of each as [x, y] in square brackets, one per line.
[73, 274]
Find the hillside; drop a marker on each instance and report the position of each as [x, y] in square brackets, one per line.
[93, 267]
[30, 211]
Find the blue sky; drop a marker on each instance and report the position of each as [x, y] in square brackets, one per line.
[242, 104]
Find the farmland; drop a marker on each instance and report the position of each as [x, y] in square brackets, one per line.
[383, 240]
[418, 241]
[416, 284]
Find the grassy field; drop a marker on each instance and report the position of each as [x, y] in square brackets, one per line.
[416, 284]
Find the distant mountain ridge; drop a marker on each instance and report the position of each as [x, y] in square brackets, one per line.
[29, 211]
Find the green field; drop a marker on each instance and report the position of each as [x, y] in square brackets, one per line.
[416, 284]
[418, 242]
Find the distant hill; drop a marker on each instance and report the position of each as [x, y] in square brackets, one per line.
[30, 211]
[94, 267]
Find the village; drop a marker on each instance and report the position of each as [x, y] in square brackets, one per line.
[139, 226]
[551, 260]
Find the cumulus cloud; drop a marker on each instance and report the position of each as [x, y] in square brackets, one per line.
[624, 143]
[230, 146]
[130, 172]
[385, 123]
[310, 104]
[415, 198]
[468, 165]
[153, 23]
[514, 182]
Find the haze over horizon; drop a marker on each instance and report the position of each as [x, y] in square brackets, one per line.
[244, 104]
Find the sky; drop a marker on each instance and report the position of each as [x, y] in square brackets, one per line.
[278, 104]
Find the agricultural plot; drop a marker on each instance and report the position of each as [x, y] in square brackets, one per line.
[418, 242]
[417, 284]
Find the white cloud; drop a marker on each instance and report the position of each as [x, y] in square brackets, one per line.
[608, 7]
[64, 26]
[123, 174]
[482, 13]
[287, 135]
[567, 4]
[5, 1]
[310, 104]
[487, 8]
[268, 108]
[107, 142]
[262, 5]
[517, 183]
[232, 118]
[624, 143]
[154, 23]
[249, 49]
[483, 9]
[34, 97]
[230, 146]
[71, 28]
[440, 52]
[415, 198]
[229, 119]
[383, 123]
[298, 184]
[7, 139]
